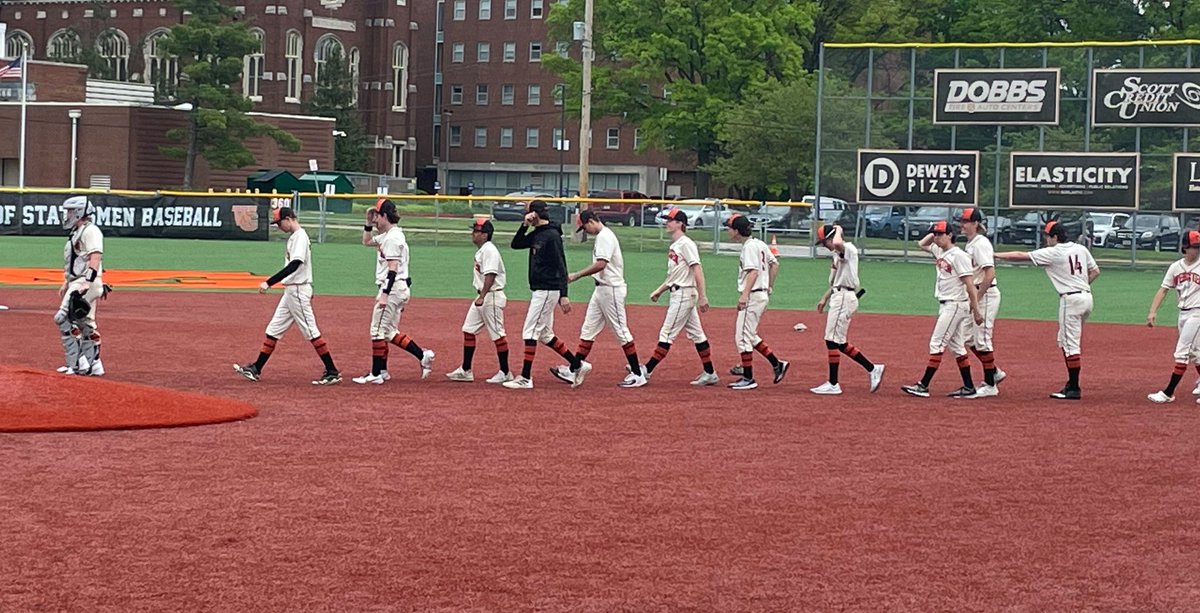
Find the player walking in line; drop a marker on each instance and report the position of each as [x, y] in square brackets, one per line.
[685, 281]
[1183, 276]
[82, 284]
[842, 300]
[607, 305]
[979, 337]
[1072, 270]
[548, 280]
[391, 275]
[757, 268]
[295, 306]
[955, 292]
[487, 311]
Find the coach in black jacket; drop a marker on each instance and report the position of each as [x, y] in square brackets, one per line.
[548, 280]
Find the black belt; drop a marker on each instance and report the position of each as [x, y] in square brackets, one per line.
[960, 300]
[842, 288]
[761, 289]
[490, 291]
[679, 287]
[988, 287]
[1082, 291]
[1188, 309]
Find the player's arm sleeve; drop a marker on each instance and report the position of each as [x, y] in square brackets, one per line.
[490, 263]
[962, 266]
[561, 261]
[986, 258]
[691, 255]
[392, 250]
[93, 241]
[522, 239]
[1168, 281]
[1042, 257]
[291, 267]
[604, 250]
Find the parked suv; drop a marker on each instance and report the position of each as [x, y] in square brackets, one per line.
[1153, 231]
[1107, 225]
[624, 213]
[829, 210]
[700, 212]
[919, 221]
[1028, 229]
[514, 210]
[886, 221]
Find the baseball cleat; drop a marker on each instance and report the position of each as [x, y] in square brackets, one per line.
[64, 369]
[780, 370]
[743, 384]
[1067, 393]
[706, 378]
[96, 370]
[426, 364]
[500, 377]
[1196, 391]
[827, 389]
[645, 373]
[563, 373]
[372, 379]
[632, 380]
[249, 371]
[458, 374]
[1000, 376]
[876, 376]
[520, 383]
[585, 367]
[330, 377]
[1160, 398]
[736, 371]
[916, 389]
[985, 391]
[962, 392]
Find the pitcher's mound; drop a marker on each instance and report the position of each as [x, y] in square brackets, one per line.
[37, 401]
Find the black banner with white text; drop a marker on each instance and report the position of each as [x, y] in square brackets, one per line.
[1074, 180]
[918, 177]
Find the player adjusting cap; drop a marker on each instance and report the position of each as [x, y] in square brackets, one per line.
[383, 206]
[282, 213]
[972, 214]
[675, 215]
[1191, 239]
[825, 233]
[483, 225]
[940, 227]
[739, 222]
[539, 207]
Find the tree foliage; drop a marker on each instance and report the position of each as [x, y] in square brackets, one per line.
[334, 97]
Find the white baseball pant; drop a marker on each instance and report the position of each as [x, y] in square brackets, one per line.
[490, 315]
[1073, 312]
[607, 306]
[385, 321]
[746, 329]
[539, 319]
[841, 307]
[980, 336]
[295, 307]
[682, 315]
[950, 331]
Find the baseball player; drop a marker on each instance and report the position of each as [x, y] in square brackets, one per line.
[685, 281]
[607, 305]
[548, 280]
[1183, 276]
[757, 268]
[955, 292]
[1072, 270]
[842, 300]
[295, 306]
[391, 275]
[487, 311]
[82, 282]
[979, 338]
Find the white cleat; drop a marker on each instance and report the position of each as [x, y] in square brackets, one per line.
[876, 376]
[986, 391]
[64, 369]
[97, 369]
[458, 374]
[499, 378]
[426, 364]
[706, 378]
[632, 380]
[519, 383]
[563, 373]
[1000, 376]
[1196, 392]
[82, 365]
[1160, 398]
[582, 373]
[829, 389]
[372, 379]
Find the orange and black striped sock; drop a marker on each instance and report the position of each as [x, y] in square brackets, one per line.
[530, 351]
[631, 356]
[264, 354]
[935, 360]
[766, 352]
[1074, 365]
[560, 348]
[468, 350]
[584, 350]
[660, 352]
[747, 364]
[322, 348]
[502, 353]
[705, 353]
[404, 342]
[853, 353]
[835, 360]
[1176, 377]
[379, 355]
[964, 369]
[988, 359]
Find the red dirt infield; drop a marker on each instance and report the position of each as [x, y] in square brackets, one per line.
[463, 497]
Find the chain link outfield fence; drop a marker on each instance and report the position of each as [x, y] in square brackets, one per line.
[1096, 133]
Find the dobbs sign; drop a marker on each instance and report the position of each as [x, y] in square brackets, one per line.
[1027, 96]
[918, 177]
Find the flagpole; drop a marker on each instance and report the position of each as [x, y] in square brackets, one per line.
[24, 103]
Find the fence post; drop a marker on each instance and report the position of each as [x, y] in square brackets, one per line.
[437, 218]
[812, 247]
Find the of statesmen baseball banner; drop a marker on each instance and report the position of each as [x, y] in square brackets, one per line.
[1074, 180]
[1025, 96]
[219, 217]
[918, 177]
[1146, 97]
[1185, 183]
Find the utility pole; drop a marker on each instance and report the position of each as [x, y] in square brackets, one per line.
[585, 111]
[562, 134]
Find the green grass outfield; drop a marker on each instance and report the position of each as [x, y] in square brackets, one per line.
[444, 271]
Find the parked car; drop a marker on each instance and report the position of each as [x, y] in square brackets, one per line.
[920, 220]
[829, 210]
[1106, 226]
[700, 212]
[1153, 231]
[1028, 229]
[624, 213]
[998, 228]
[514, 210]
[886, 221]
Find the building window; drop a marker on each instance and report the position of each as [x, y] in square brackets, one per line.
[535, 52]
[113, 47]
[614, 138]
[162, 70]
[355, 71]
[637, 139]
[532, 135]
[455, 136]
[456, 94]
[535, 95]
[400, 76]
[63, 45]
[460, 10]
[507, 94]
[252, 68]
[506, 138]
[18, 44]
[559, 91]
[398, 160]
[535, 9]
[295, 66]
[328, 48]
[485, 10]
[481, 94]
[458, 53]
[510, 9]
[483, 53]
[481, 137]
[510, 52]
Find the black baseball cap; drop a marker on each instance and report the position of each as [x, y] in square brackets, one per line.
[585, 216]
[824, 233]
[483, 225]
[739, 222]
[1191, 238]
[675, 215]
[282, 213]
[539, 207]
[972, 214]
[941, 227]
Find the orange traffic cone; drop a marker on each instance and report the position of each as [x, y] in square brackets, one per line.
[774, 245]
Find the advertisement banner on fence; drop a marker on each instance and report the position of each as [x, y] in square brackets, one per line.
[918, 177]
[226, 217]
[1146, 97]
[1074, 180]
[1185, 182]
[1024, 96]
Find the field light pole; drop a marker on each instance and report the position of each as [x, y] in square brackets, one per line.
[585, 109]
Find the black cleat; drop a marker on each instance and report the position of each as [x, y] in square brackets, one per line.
[916, 389]
[962, 392]
[249, 371]
[736, 371]
[780, 370]
[1067, 393]
[331, 377]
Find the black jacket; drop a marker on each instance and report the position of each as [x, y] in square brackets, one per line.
[547, 258]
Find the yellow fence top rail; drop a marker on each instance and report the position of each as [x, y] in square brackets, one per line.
[1082, 43]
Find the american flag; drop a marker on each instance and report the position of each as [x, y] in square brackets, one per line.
[11, 70]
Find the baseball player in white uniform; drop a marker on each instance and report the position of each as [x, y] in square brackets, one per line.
[955, 292]
[1183, 276]
[295, 306]
[842, 301]
[757, 268]
[685, 281]
[83, 272]
[487, 311]
[391, 275]
[607, 305]
[979, 337]
[1072, 270]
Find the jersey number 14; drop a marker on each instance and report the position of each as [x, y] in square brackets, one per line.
[1074, 266]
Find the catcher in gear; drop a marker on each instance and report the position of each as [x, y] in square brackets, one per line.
[82, 286]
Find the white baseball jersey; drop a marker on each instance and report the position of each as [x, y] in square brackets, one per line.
[606, 247]
[488, 261]
[843, 270]
[84, 241]
[1067, 264]
[982, 256]
[952, 264]
[391, 246]
[681, 256]
[298, 248]
[1185, 280]
[755, 256]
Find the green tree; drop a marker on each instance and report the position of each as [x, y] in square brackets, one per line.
[210, 45]
[334, 97]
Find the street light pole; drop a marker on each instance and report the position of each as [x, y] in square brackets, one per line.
[562, 134]
[585, 111]
[74, 114]
[446, 115]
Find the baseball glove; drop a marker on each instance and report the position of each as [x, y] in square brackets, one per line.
[77, 307]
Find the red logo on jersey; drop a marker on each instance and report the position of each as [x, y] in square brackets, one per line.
[476, 266]
[1186, 277]
[674, 257]
[944, 265]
